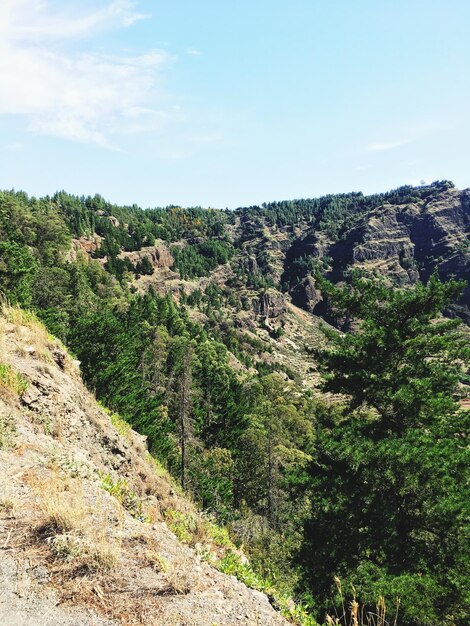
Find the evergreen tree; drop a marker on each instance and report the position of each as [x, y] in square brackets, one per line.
[388, 484]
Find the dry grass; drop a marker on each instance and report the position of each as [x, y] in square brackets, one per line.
[19, 317]
[66, 545]
[179, 579]
[354, 614]
[7, 506]
[63, 505]
[157, 561]
[74, 530]
[102, 554]
[32, 336]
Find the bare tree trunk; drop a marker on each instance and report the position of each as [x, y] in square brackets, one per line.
[270, 477]
[185, 412]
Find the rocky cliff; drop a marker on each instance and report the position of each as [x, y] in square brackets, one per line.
[402, 241]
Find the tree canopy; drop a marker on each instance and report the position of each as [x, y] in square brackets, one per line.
[389, 480]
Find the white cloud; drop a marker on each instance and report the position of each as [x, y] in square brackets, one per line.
[382, 146]
[193, 52]
[40, 19]
[84, 96]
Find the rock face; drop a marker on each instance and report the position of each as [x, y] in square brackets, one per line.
[270, 304]
[75, 552]
[159, 256]
[404, 243]
[88, 245]
[306, 295]
[250, 265]
[114, 221]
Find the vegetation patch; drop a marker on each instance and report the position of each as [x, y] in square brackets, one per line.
[200, 259]
[73, 530]
[125, 495]
[179, 577]
[12, 380]
[123, 427]
[158, 562]
[183, 525]
[232, 564]
[63, 505]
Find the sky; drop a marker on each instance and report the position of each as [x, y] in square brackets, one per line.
[228, 103]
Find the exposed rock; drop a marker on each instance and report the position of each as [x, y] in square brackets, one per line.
[250, 265]
[306, 295]
[404, 243]
[88, 245]
[270, 304]
[159, 255]
[114, 221]
[59, 357]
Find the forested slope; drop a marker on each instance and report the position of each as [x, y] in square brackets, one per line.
[183, 322]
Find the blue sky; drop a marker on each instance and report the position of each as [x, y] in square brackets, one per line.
[235, 102]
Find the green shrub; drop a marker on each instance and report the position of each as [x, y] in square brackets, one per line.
[12, 380]
[125, 495]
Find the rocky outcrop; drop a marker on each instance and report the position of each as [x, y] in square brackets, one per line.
[270, 304]
[404, 243]
[306, 295]
[159, 255]
[250, 265]
[114, 221]
[87, 245]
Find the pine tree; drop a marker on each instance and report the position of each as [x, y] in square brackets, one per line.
[388, 484]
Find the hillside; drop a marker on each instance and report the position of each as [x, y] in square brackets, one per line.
[299, 370]
[86, 514]
[403, 235]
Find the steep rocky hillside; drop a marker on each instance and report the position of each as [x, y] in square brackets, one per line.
[403, 236]
[92, 530]
[264, 320]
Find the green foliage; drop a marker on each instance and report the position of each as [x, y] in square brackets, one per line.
[232, 565]
[201, 258]
[12, 380]
[332, 212]
[120, 424]
[17, 272]
[212, 479]
[144, 266]
[125, 495]
[278, 332]
[388, 485]
[403, 363]
[218, 534]
[181, 524]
